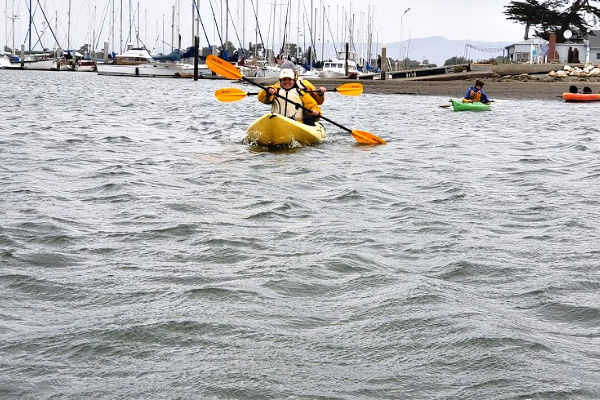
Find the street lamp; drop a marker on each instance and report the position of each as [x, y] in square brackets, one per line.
[401, 34]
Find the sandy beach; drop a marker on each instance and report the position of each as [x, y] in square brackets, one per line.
[496, 88]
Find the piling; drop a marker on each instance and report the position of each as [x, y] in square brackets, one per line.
[346, 59]
[196, 49]
[384, 63]
[105, 52]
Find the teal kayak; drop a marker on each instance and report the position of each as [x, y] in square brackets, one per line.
[460, 106]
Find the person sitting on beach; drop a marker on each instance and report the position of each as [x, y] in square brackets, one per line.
[306, 85]
[476, 93]
[288, 92]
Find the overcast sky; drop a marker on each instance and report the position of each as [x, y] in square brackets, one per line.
[476, 20]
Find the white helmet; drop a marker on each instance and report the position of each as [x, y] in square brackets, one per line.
[286, 73]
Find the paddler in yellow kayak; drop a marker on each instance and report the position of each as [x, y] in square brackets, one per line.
[288, 91]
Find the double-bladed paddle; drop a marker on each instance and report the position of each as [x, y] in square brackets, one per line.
[230, 71]
[228, 95]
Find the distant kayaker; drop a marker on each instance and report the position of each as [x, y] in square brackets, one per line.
[304, 84]
[289, 92]
[476, 93]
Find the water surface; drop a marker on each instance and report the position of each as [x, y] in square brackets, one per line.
[146, 251]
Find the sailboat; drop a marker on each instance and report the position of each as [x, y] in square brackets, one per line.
[137, 61]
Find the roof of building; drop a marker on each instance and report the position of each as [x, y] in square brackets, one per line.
[594, 39]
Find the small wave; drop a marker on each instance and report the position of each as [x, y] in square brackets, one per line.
[42, 289]
[117, 139]
[179, 230]
[585, 316]
[221, 294]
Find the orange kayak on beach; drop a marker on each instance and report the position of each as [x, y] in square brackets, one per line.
[581, 96]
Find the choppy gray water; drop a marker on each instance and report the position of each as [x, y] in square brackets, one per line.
[147, 252]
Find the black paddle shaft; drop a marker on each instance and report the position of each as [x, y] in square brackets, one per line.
[295, 104]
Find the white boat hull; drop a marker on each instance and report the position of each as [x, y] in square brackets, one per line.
[331, 74]
[147, 70]
[43, 65]
[167, 70]
[4, 61]
[268, 72]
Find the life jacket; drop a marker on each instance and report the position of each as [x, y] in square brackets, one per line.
[283, 107]
[308, 87]
[474, 95]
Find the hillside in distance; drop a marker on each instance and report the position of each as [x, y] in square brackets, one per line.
[437, 49]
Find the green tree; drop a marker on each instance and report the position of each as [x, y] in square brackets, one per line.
[555, 16]
[456, 60]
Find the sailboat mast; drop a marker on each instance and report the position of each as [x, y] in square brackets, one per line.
[369, 34]
[312, 29]
[173, 29]
[129, 23]
[13, 17]
[179, 24]
[30, 22]
[304, 35]
[298, 33]
[226, 23]
[6, 22]
[323, 35]
[137, 31]
[112, 30]
[121, 27]
[55, 30]
[69, 27]
[94, 33]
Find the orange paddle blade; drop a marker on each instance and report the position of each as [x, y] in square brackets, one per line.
[350, 89]
[228, 95]
[223, 68]
[366, 137]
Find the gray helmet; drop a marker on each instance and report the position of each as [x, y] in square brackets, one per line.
[288, 64]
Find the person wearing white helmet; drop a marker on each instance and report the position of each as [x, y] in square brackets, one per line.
[288, 92]
[305, 84]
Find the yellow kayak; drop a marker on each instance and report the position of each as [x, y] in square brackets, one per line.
[274, 130]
